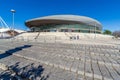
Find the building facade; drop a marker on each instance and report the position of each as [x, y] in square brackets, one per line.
[64, 23]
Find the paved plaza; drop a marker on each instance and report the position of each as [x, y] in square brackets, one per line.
[73, 60]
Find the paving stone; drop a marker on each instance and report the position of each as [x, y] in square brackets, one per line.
[88, 71]
[53, 78]
[68, 63]
[113, 73]
[79, 77]
[105, 72]
[97, 72]
[81, 67]
[75, 66]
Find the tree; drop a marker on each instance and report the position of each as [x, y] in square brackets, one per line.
[108, 32]
[116, 34]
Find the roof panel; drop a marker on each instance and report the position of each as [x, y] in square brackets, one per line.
[81, 19]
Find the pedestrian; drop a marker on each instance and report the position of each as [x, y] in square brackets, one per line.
[77, 37]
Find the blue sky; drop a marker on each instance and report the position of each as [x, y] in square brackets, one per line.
[105, 11]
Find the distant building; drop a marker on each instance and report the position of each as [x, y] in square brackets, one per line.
[64, 23]
[6, 32]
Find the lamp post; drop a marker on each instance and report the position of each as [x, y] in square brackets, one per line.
[13, 13]
[95, 32]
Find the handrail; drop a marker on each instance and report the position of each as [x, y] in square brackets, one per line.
[37, 35]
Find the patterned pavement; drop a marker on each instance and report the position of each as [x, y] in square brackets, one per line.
[62, 61]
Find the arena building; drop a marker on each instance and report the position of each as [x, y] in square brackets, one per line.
[64, 23]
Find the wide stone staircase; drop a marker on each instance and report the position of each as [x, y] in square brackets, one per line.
[54, 36]
[65, 61]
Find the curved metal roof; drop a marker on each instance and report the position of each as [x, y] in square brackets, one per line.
[63, 19]
[2, 30]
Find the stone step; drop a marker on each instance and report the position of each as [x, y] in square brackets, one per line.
[49, 71]
[80, 69]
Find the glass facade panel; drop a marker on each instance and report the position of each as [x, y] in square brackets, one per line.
[67, 28]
